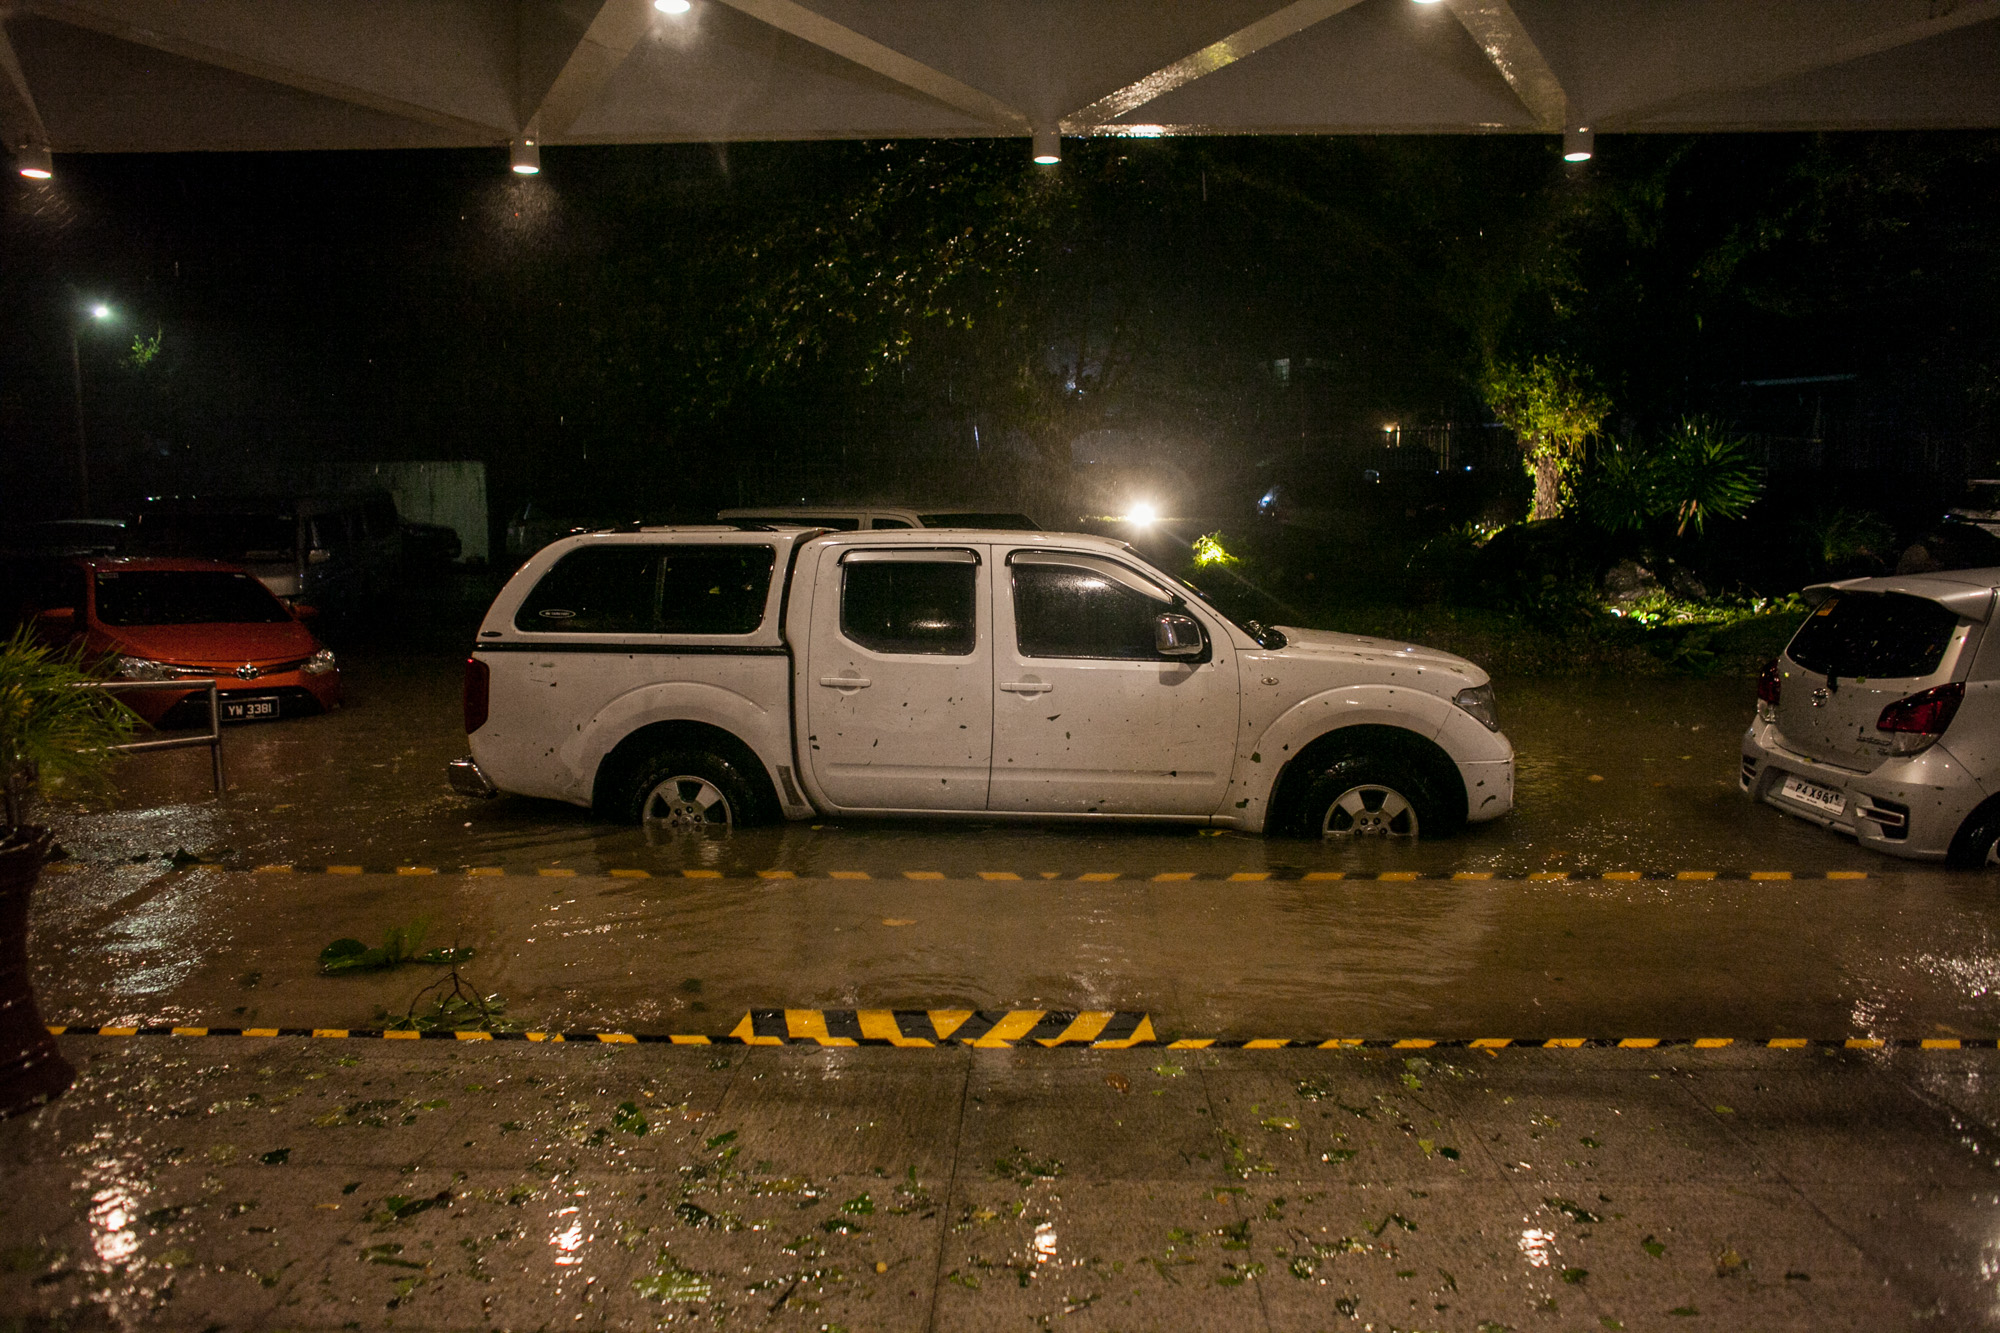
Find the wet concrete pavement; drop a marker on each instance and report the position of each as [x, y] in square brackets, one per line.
[241, 1183]
[204, 1181]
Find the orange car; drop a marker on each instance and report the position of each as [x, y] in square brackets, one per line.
[161, 619]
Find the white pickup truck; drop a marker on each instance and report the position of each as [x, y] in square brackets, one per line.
[709, 676]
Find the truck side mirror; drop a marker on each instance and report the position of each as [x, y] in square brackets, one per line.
[57, 617]
[1177, 635]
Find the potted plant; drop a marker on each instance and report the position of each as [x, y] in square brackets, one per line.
[56, 735]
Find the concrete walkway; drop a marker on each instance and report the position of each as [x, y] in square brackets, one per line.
[242, 1183]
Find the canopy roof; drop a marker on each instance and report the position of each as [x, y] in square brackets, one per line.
[181, 75]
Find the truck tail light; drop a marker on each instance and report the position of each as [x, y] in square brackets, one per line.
[1770, 684]
[479, 681]
[1925, 714]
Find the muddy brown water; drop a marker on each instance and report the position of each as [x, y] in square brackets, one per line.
[1614, 775]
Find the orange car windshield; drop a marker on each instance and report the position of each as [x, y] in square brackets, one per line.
[185, 597]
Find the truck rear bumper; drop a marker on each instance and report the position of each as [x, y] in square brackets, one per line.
[468, 779]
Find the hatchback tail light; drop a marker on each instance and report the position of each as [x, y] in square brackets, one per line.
[478, 679]
[1770, 684]
[1925, 714]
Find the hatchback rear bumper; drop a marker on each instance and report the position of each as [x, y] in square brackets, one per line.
[1910, 807]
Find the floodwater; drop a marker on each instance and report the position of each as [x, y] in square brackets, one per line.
[1612, 775]
[577, 924]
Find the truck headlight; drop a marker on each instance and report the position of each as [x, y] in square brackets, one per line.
[320, 663]
[1478, 701]
[145, 668]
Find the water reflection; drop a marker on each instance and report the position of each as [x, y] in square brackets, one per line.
[112, 1214]
[1044, 1243]
[1536, 1246]
[567, 1240]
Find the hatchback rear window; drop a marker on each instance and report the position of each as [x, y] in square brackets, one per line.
[1871, 634]
[633, 589]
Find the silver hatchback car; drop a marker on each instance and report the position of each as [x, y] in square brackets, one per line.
[1882, 717]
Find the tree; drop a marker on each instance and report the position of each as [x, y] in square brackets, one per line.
[1554, 408]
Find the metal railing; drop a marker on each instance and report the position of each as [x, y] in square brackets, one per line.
[212, 739]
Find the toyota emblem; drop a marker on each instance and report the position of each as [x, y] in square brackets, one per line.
[247, 672]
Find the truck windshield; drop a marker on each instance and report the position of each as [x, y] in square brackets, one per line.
[1263, 634]
[240, 538]
[967, 519]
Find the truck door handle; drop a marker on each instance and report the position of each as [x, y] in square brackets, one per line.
[846, 682]
[1026, 686]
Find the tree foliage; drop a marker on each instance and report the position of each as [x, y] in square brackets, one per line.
[51, 731]
[1554, 408]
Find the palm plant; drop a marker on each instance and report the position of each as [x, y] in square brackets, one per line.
[52, 733]
[1704, 471]
[1699, 470]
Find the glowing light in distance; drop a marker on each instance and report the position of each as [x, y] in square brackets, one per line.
[1142, 515]
[672, 6]
[100, 311]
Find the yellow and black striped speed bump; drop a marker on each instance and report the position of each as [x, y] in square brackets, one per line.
[1003, 1029]
[1274, 874]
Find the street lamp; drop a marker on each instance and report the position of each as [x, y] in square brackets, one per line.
[102, 314]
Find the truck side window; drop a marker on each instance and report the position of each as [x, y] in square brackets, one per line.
[1075, 611]
[910, 606]
[631, 589]
[595, 590]
[714, 589]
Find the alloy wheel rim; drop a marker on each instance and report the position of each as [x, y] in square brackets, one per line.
[686, 803]
[1370, 810]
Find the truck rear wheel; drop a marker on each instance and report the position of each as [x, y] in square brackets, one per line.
[1371, 796]
[687, 791]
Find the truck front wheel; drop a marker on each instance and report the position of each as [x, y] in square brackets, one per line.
[1370, 795]
[686, 791]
